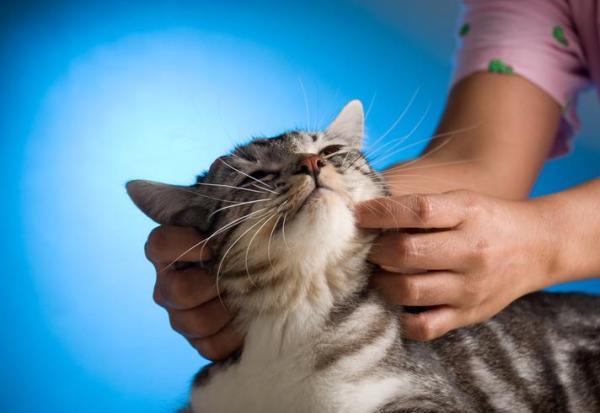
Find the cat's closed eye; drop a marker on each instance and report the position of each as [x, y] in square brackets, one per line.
[257, 176]
[331, 149]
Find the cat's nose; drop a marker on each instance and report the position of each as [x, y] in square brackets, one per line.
[311, 165]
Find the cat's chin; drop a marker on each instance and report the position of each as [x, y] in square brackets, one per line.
[316, 199]
[324, 224]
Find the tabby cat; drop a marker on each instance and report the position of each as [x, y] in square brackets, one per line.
[279, 215]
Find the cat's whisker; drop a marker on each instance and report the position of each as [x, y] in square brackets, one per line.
[394, 151]
[371, 102]
[231, 186]
[394, 144]
[269, 242]
[232, 224]
[452, 134]
[397, 121]
[335, 154]
[382, 157]
[266, 186]
[387, 210]
[204, 196]
[401, 175]
[305, 102]
[461, 162]
[345, 159]
[205, 241]
[394, 216]
[219, 268]
[237, 205]
[283, 232]
[358, 156]
[250, 244]
[403, 138]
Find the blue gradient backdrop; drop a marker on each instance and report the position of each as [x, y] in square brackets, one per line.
[94, 94]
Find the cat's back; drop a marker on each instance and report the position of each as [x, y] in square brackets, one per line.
[541, 354]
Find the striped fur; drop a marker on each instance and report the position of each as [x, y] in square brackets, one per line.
[317, 339]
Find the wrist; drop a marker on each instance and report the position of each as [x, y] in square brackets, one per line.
[572, 225]
[551, 241]
[544, 250]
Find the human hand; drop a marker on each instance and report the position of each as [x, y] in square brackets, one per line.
[190, 295]
[482, 254]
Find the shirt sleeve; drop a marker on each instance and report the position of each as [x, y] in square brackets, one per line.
[535, 39]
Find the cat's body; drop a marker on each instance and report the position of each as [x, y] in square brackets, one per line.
[318, 340]
[541, 354]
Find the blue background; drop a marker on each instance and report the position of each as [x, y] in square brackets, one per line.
[95, 94]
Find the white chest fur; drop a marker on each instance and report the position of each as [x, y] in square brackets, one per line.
[278, 376]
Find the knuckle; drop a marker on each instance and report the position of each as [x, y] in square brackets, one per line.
[472, 293]
[177, 323]
[422, 207]
[208, 349]
[192, 328]
[481, 254]
[176, 290]
[425, 330]
[156, 244]
[157, 296]
[407, 248]
[472, 316]
[410, 289]
[482, 245]
[201, 326]
[472, 203]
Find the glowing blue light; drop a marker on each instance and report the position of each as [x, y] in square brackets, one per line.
[97, 96]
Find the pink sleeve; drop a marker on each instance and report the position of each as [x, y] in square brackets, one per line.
[535, 39]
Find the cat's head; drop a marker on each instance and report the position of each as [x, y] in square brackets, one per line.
[276, 203]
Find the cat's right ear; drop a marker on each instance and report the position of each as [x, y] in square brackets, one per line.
[349, 124]
[168, 204]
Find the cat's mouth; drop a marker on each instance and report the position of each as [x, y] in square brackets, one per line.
[318, 191]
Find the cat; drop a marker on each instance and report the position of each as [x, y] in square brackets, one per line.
[279, 217]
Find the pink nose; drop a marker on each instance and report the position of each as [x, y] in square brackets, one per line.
[311, 165]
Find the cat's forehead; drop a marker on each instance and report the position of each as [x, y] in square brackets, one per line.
[267, 153]
[264, 150]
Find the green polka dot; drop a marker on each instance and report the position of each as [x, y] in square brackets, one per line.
[464, 30]
[498, 66]
[559, 34]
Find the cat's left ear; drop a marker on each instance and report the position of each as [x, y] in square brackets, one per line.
[169, 204]
[349, 124]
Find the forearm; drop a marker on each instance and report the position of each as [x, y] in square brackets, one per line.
[573, 218]
[496, 130]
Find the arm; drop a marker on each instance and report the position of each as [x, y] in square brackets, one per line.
[508, 127]
[486, 246]
[573, 218]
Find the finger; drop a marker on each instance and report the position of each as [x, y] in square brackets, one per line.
[220, 345]
[200, 322]
[431, 324]
[429, 289]
[412, 211]
[444, 250]
[168, 243]
[184, 289]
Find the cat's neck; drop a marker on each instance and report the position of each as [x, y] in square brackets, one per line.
[296, 308]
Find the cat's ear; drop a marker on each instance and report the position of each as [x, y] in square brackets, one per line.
[168, 204]
[349, 124]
